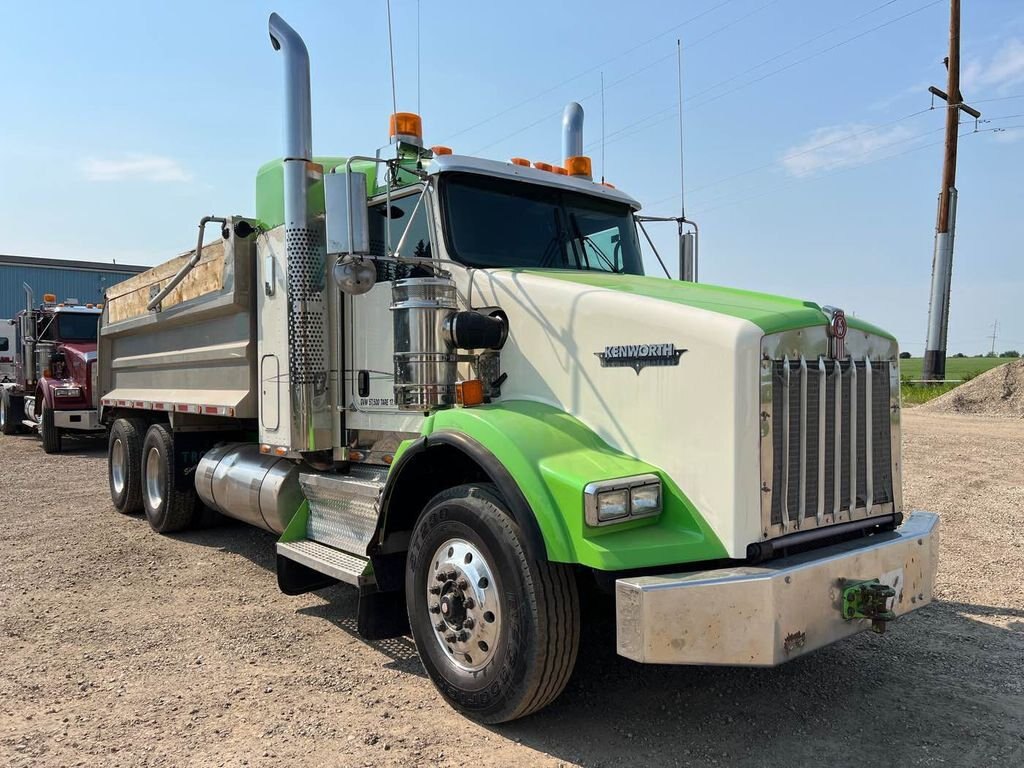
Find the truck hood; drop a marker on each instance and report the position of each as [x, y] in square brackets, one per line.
[769, 312]
[663, 371]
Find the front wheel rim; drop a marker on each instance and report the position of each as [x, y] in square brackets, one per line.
[154, 479]
[463, 606]
[118, 468]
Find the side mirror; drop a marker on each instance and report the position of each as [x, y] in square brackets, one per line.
[348, 228]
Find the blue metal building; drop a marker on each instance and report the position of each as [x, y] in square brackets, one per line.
[68, 279]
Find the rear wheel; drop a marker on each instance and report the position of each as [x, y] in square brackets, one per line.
[48, 430]
[12, 411]
[124, 465]
[169, 500]
[497, 631]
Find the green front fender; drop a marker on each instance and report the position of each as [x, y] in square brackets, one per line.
[552, 456]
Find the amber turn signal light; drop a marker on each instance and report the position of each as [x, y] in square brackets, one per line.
[469, 392]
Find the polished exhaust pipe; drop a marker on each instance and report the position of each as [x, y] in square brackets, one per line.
[572, 130]
[305, 249]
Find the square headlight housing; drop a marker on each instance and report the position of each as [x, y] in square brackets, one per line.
[67, 392]
[627, 498]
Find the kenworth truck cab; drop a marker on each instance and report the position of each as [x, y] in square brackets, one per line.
[446, 380]
[54, 354]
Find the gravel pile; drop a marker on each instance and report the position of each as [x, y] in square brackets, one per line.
[998, 392]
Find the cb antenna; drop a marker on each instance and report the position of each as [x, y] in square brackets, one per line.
[391, 53]
[682, 184]
[418, 112]
[602, 127]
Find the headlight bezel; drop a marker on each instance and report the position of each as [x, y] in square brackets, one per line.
[68, 391]
[593, 493]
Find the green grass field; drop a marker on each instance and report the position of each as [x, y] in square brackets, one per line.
[956, 368]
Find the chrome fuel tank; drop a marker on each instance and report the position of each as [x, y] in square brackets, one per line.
[238, 481]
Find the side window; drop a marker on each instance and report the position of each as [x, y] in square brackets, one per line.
[5, 344]
[417, 242]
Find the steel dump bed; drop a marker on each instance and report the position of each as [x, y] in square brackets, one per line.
[196, 352]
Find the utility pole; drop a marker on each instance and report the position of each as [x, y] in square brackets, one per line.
[945, 227]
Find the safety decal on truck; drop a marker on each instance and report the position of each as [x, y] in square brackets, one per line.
[638, 356]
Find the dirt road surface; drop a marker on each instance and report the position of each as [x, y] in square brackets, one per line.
[124, 648]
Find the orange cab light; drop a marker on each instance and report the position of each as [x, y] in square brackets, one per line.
[439, 150]
[49, 298]
[520, 161]
[405, 125]
[469, 392]
[280, 450]
[544, 166]
[607, 184]
[89, 306]
[560, 170]
[264, 448]
[578, 166]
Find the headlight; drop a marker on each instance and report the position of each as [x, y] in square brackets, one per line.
[627, 498]
[67, 392]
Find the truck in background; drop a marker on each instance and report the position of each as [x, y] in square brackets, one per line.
[54, 356]
[446, 381]
[7, 346]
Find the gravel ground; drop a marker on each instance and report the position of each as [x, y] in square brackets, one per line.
[124, 648]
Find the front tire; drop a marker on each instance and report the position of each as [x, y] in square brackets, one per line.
[496, 630]
[124, 465]
[169, 501]
[48, 431]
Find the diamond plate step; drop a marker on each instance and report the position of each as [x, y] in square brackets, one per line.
[342, 509]
[323, 559]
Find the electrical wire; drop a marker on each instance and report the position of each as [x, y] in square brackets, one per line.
[588, 71]
[667, 113]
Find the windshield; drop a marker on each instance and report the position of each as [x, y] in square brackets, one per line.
[77, 326]
[493, 222]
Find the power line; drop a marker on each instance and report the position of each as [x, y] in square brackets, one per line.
[625, 131]
[550, 115]
[596, 68]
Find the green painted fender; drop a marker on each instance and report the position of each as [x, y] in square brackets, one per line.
[552, 456]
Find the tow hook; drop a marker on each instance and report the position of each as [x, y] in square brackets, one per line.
[867, 600]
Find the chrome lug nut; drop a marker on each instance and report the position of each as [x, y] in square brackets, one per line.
[469, 623]
[450, 637]
[463, 637]
[450, 574]
[442, 577]
[435, 590]
[470, 604]
[435, 608]
[462, 584]
[440, 626]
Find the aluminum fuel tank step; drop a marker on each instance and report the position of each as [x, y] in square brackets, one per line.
[327, 560]
[343, 508]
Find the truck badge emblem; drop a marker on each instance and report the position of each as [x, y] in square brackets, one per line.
[637, 356]
[836, 332]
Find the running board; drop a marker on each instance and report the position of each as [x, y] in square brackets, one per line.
[339, 565]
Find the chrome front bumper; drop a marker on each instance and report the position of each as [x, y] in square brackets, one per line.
[84, 420]
[768, 614]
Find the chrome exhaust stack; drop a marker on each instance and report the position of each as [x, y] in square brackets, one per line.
[305, 251]
[572, 130]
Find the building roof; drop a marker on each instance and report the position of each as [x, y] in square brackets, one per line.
[89, 266]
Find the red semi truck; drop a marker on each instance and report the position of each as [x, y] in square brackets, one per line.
[54, 357]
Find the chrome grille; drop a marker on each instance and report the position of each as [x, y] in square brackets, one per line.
[829, 425]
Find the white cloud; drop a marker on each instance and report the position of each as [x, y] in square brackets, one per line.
[1004, 70]
[134, 166]
[841, 146]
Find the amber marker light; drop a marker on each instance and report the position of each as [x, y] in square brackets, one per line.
[520, 161]
[544, 166]
[469, 392]
[439, 150]
[560, 170]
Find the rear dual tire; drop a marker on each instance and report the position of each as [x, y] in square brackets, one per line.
[168, 499]
[124, 465]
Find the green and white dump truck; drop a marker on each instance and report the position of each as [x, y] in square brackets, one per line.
[446, 380]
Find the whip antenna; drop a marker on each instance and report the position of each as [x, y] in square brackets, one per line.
[682, 185]
[602, 127]
[391, 53]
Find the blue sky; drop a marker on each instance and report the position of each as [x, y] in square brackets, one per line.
[812, 161]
